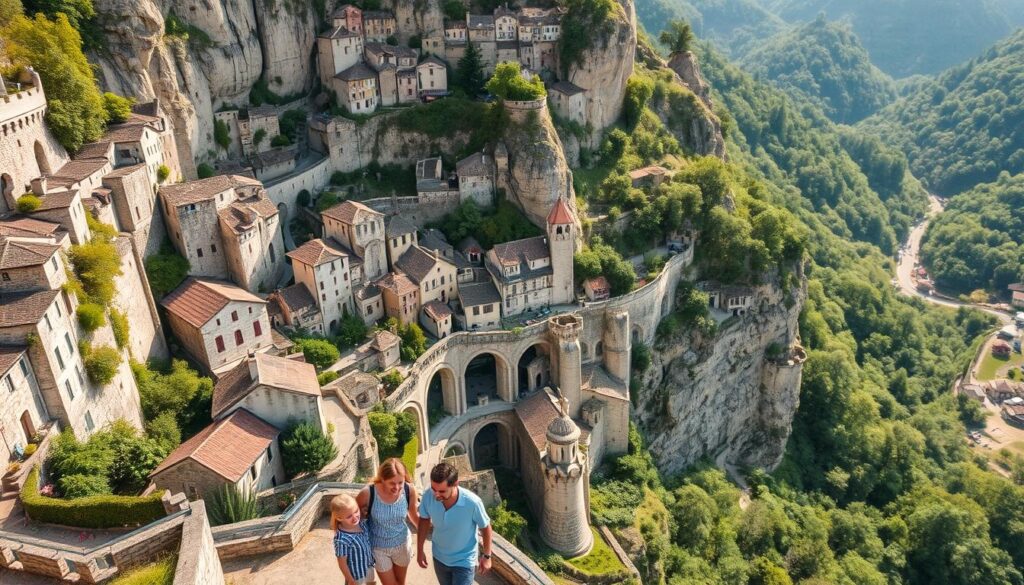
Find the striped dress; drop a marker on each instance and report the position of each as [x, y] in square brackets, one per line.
[355, 547]
[388, 521]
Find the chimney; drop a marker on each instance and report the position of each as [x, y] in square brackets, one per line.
[39, 186]
[253, 370]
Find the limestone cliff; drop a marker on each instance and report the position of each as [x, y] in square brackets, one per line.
[287, 36]
[603, 70]
[685, 65]
[719, 397]
[537, 173]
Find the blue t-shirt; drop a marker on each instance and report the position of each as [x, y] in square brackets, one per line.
[355, 547]
[455, 529]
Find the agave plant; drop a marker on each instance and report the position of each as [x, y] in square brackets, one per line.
[229, 504]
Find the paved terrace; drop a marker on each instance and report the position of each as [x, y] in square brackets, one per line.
[313, 561]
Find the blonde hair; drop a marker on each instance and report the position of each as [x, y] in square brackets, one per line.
[340, 504]
[392, 467]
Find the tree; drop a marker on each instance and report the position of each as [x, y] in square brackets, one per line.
[162, 172]
[508, 84]
[306, 449]
[471, 71]
[280, 140]
[352, 331]
[391, 380]
[384, 426]
[319, 352]
[508, 523]
[176, 389]
[291, 120]
[28, 203]
[677, 37]
[78, 12]
[414, 342]
[9, 9]
[222, 134]
[259, 136]
[638, 92]
[204, 171]
[96, 263]
[166, 270]
[118, 108]
[75, 109]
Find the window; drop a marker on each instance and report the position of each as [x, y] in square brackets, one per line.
[488, 308]
[6, 277]
[8, 383]
[476, 311]
[238, 337]
[67, 340]
[199, 252]
[53, 262]
[256, 328]
[270, 454]
[89, 425]
[49, 326]
[70, 389]
[234, 315]
[81, 376]
[250, 310]
[60, 360]
[220, 343]
[321, 286]
[252, 472]
[24, 367]
[213, 248]
[57, 307]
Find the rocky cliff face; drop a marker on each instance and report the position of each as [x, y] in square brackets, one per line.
[719, 397]
[287, 37]
[700, 130]
[537, 173]
[604, 69]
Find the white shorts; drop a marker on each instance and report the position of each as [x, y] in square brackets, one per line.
[386, 558]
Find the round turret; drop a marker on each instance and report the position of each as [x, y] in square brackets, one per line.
[563, 431]
[564, 523]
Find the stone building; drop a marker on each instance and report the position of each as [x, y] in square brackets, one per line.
[294, 307]
[27, 149]
[22, 411]
[322, 267]
[433, 274]
[338, 49]
[436, 319]
[431, 179]
[506, 24]
[406, 86]
[378, 25]
[536, 272]
[432, 77]
[217, 323]
[401, 297]
[279, 390]
[356, 89]
[226, 225]
[401, 235]
[348, 16]
[476, 179]
[369, 302]
[481, 307]
[360, 230]
[480, 32]
[257, 122]
[239, 450]
[568, 101]
[564, 524]
[134, 202]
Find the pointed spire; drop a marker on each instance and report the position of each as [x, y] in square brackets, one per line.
[561, 214]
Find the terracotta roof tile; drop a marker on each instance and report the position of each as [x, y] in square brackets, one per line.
[397, 283]
[203, 189]
[26, 226]
[418, 263]
[16, 254]
[317, 252]
[384, 339]
[80, 169]
[125, 171]
[101, 149]
[348, 211]
[9, 356]
[197, 300]
[437, 310]
[278, 372]
[296, 297]
[122, 133]
[536, 413]
[227, 447]
[242, 215]
[560, 213]
[25, 308]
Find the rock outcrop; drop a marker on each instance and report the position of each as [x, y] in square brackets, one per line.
[287, 35]
[720, 397]
[685, 65]
[537, 173]
[603, 70]
[690, 117]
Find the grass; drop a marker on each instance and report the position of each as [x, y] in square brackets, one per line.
[990, 365]
[601, 560]
[158, 573]
[409, 452]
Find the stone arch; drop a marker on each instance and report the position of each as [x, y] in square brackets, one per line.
[599, 349]
[533, 368]
[455, 448]
[41, 161]
[476, 378]
[664, 305]
[421, 430]
[441, 394]
[492, 446]
[282, 214]
[638, 334]
[6, 192]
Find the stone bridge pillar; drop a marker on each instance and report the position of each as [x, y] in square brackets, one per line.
[566, 332]
[617, 345]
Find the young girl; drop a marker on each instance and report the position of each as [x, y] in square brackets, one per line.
[351, 540]
[389, 503]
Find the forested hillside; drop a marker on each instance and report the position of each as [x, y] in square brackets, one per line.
[903, 37]
[978, 241]
[824, 62]
[965, 127]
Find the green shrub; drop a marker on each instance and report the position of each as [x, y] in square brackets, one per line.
[28, 203]
[640, 357]
[290, 122]
[164, 430]
[119, 324]
[508, 523]
[280, 140]
[326, 378]
[104, 511]
[162, 172]
[306, 449]
[384, 426]
[158, 573]
[204, 171]
[91, 316]
[96, 263]
[166, 270]
[508, 84]
[221, 134]
[319, 352]
[81, 486]
[406, 426]
[228, 505]
[259, 136]
[101, 364]
[392, 380]
[118, 108]
[352, 331]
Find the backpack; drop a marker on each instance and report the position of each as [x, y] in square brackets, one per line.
[373, 496]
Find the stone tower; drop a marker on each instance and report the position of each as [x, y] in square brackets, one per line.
[568, 363]
[561, 227]
[564, 525]
[616, 345]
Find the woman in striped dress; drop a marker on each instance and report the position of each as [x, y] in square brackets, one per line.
[388, 503]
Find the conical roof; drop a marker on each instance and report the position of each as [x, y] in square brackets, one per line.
[562, 429]
[560, 213]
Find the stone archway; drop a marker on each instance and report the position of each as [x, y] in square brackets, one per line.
[454, 449]
[421, 431]
[487, 377]
[534, 367]
[41, 161]
[638, 334]
[442, 396]
[665, 305]
[492, 447]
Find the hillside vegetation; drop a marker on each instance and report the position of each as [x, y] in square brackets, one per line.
[978, 241]
[824, 62]
[963, 128]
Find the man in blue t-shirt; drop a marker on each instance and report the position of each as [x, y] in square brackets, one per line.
[456, 515]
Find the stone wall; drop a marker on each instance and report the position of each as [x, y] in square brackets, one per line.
[198, 563]
[135, 299]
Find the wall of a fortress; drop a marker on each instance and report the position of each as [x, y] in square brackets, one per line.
[22, 128]
[286, 189]
[198, 563]
[135, 299]
[418, 210]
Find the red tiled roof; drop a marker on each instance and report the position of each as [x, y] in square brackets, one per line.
[203, 189]
[397, 283]
[282, 373]
[437, 310]
[317, 252]
[25, 308]
[15, 254]
[9, 355]
[81, 169]
[536, 413]
[22, 226]
[560, 213]
[227, 447]
[347, 211]
[197, 300]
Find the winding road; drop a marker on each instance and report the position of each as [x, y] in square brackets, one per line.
[905, 268]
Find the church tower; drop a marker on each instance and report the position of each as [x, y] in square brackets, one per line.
[561, 228]
[564, 525]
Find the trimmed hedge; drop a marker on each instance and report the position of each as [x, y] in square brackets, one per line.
[91, 511]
